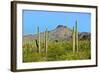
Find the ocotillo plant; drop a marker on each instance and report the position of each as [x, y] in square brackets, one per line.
[73, 39]
[76, 36]
[39, 40]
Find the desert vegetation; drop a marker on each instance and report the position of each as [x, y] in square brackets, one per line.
[46, 49]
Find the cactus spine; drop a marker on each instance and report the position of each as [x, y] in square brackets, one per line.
[73, 39]
[39, 47]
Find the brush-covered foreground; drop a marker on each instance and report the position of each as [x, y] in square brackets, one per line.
[56, 51]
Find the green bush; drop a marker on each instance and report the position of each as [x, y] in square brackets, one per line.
[56, 51]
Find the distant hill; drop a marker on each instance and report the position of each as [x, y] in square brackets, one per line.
[59, 33]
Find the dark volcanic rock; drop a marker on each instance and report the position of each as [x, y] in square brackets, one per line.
[61, 26]
[84, 35]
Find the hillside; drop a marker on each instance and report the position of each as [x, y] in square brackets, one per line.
[59, 33]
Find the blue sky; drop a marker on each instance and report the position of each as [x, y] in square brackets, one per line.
[32, 19]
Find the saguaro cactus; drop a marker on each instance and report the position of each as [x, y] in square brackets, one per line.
[39, 40]
[46, 40]
[76, 36]
[36, 42]
[73, 39]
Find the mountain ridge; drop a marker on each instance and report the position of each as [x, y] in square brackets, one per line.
[61, 32]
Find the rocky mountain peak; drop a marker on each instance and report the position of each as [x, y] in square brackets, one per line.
[61, 32]
[61, 26]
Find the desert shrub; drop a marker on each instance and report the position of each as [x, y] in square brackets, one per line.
[56, 51]
[67, 45]
[84, 45]
[32, 57]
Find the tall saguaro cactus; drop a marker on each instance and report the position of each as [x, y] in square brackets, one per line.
[39, 40]
[73, 39]
[76, 35]
[46, 40]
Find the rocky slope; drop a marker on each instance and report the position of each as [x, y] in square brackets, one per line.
[59, 33]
